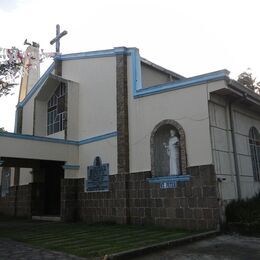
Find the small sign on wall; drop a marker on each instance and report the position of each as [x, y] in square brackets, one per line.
[97, 178]
[168, 185]
[168, 182]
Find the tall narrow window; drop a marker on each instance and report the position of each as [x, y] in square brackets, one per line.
[254, 141]
[56, 110]
[6, 177]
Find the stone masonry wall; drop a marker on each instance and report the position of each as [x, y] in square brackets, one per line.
[17, 202]
[191, 205]
[69, 199]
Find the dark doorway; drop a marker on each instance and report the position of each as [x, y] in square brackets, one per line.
[52, 189]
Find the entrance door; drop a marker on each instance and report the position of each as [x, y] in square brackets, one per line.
[52, 194]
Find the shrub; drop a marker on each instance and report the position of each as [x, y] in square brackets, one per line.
[244, 211]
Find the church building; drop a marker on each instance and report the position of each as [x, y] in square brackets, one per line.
[108, 136]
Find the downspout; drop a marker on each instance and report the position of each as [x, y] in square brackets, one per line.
[232, 129]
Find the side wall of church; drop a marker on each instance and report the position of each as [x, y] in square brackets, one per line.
[187, 106]
[222, 148]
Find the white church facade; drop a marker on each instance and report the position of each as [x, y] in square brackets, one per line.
[110, 136]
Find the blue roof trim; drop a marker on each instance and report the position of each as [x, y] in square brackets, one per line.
[61, 141]
[37, 85]
[138, 90]
[38, 138]
[220, 75]
[98, 138]
[95, 54]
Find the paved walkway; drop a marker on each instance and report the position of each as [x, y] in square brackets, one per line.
[19, 251]
[224, 247]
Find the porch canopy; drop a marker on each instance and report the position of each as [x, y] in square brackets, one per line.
[22, 150]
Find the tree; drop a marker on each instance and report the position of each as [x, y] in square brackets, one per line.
[14, 62]
[11, 64]
[2, 130]
[8, 72]
[247, 79]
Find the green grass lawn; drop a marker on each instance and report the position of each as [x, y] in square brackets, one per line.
[86, 240]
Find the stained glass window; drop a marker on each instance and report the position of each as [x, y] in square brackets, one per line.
[57, 111]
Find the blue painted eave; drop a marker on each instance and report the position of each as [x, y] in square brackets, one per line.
[37, 138]
[95, 54]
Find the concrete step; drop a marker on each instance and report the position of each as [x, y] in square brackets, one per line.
[47, 218]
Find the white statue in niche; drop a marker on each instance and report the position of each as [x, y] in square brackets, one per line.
[173, 152]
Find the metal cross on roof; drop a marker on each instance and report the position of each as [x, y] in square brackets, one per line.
[57, 38]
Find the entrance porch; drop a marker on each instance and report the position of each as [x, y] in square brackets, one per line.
[42, 160]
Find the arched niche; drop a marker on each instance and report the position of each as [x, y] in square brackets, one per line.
[159, 139]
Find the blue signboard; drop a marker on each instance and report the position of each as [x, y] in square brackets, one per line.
[97, 176]
[169, 182]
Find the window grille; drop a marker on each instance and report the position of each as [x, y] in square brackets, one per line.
[254, 142]
[6, 177]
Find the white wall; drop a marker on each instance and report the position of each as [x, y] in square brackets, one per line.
[106, 149]
[97, 94]
[28, 115]
[187, 106]
[27, 120]
[73, 111]
[96, 100]
[25, 176]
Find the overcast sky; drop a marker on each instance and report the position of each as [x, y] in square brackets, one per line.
[189, 37]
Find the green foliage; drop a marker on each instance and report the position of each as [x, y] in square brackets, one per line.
[2, 130]
[8, 72]
[247, 79]
[244, 211]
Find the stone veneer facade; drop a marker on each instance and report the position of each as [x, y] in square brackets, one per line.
[131, 199]
[191, 205]
[17, 202]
